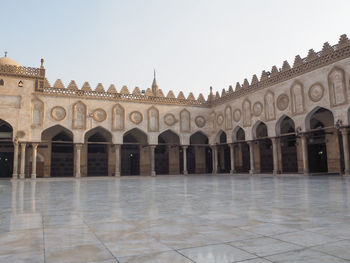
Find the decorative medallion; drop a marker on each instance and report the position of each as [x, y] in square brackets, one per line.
[58, 113]
[136, 117]
[237, 114]
[316, 92]
[20, 134]
[220, 119]
[169, 119]
[257, 108]
[200, 121]
[282, 102]
[99, 115]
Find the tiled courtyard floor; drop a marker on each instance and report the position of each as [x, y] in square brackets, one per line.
[176, 219]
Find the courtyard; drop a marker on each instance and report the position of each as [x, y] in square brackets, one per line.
[252, 219]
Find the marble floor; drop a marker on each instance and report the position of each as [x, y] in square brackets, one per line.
[176, 219]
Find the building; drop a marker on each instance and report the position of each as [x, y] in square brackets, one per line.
[292, 120]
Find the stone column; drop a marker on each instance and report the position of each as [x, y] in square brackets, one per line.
[184, 151]
[232, 157]
[34, 154]
[252, 157]
[344, 133]
[15, 159]
[214, 158]
[117, 159]
[23, 160]
[305, 154]
[153, 167]
[275, 155]
[77, 160]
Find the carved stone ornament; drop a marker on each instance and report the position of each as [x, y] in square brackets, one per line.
[20, 134]
[37, 113]
[282, 102]
[169, 119]
[220, 119]
[200, 121]
[257, 108]
[316, 92]
[136, 117]
[99, 115]
[237, 114]
[58, 113]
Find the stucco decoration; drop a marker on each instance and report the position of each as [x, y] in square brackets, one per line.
[200, 121]
[136, 117]
[79, 115]
[220, 119]
[212, 120]
[99, 115]
[282, 102]
[169, 119]
[228, 118]
[185, 121]
[270, 112]
[297, 96]
[337, 87]
[257, 109]
[118, 118]
[153, 119]
[237, 114]
[58, 113]
[20, 134]
[247, 113]
[316, 92]
[37, 113]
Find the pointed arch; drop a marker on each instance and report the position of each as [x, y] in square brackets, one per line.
[284, 125]
[98, 134]
[169, 136]
[319, 117]
[6, 130]
[49, 133]
[221, 137]
[199, 137]
[135, 135]
[259, 130]
[238, 134]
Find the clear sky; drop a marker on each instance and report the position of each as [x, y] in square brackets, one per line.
[192, 44]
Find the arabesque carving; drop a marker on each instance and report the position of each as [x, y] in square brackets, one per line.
[337, 87]
[99, 115]
[220, 119]
[200, 121]
[228, 118]
[37, 113]
[316, 92]
[136, 117]
[185, 121]
[297, 95]
[247, 114]
[257, 108]
[118, 118]
[79, 115]
[237, 114]
[153, 119]
[282, 102]
[269, 99]
[169, 119]
[58, 113]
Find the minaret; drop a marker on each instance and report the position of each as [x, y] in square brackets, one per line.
[154, 84]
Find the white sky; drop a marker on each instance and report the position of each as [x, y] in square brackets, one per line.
[192, 44]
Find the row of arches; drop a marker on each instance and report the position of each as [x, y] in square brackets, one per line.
[285, 153]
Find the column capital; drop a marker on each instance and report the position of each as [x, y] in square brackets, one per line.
[184, 146]
[35, 144]
[78, 145]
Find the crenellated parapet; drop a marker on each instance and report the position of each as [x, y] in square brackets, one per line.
[147, 96]
[314, 60]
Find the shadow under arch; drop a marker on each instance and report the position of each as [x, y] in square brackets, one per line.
[98, 141]
[6, 149]
[135, 153]
[285, 128]
[223, 153]
[167, 153]
[199, 154]
[322, 141]
[260, 134]
[241, 151]
[59, 155]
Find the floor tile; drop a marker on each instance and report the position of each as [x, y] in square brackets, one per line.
[339, 249]
[161, 257]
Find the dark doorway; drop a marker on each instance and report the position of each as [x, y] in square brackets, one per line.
[130, 151]
[199, 154]
[265, 148]
[242, 155]
[97, 155]
[6, 149]
[286, 127]
[62, 155]
[167, 153]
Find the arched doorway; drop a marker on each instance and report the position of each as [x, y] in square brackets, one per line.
[322, 141]
[98, 142]
[167, 154]
[6, 149]
[223, 153]
[199, 154]
[265, 148]
[288, 144]
[135, 153]
[242, 157]
[60, 148]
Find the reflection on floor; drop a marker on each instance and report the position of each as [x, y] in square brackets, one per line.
[176, 219]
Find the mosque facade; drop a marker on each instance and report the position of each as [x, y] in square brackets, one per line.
[294, 119]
